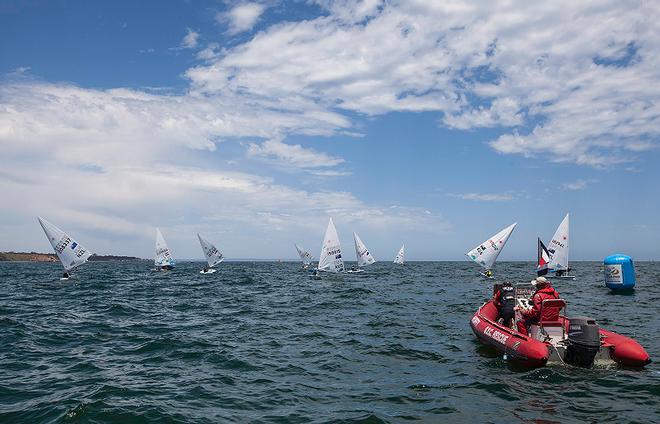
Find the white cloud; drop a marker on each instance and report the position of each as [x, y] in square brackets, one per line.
[104, 209]
[352, 11]
[569, 81]
[484, 197]
[578, 184]
[78, 125]
[112, 164]
[292, 155]
[22, 70]
[190, 40]
[211, 51]
[331, 173]
[242, 17]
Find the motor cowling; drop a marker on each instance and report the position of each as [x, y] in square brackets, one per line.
[583, 341]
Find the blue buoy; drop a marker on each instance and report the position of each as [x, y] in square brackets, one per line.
[619, 272]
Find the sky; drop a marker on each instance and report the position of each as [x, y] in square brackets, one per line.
[434, 124]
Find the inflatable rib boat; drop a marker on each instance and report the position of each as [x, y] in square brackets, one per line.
[576, 341]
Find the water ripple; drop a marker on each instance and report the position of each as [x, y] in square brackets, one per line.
[262, 342]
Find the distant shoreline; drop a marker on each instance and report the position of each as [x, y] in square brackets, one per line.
[51, 257]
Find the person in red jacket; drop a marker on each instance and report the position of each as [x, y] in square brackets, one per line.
[544, 290]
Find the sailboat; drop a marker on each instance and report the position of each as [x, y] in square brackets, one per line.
[70, 253]
[163, 260]
[400, 257]
[305, 257]
[212, 254]
[362, 254]
[330, 259]
[558, 250]
[487, 252]
[543, 259]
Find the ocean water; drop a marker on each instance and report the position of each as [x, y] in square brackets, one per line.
[262, 342]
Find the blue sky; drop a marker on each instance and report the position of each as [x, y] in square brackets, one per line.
[253, 122]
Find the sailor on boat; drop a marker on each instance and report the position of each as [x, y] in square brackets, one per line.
[66, 275]
[544, 291]
[488, 273]
[505, 300]
[544, 335]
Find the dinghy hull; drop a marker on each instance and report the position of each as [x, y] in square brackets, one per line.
[534, 353]
[560, 277]
[515, 345]
[624, 350]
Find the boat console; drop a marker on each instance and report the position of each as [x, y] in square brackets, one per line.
[524, 293]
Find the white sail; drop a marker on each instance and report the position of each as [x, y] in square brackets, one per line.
[487, 252]
[305, 256]
[330, 259]
[163, 255]
[400, 257]
[70, 253]
[363, 255]
[212, 254]
[558, 247]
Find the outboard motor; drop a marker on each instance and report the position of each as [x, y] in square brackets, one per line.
[583, 341]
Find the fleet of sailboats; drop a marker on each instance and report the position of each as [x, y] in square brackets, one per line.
[70, 253]
[486, 253]
[552, 260]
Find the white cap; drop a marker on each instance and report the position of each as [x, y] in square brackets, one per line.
[533, 282]
[539, 280]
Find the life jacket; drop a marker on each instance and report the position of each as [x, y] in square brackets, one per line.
[507, 299]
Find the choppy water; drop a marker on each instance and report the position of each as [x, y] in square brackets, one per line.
[262, 342]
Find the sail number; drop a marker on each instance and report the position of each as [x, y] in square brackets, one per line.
[557, 243]
[62, 244]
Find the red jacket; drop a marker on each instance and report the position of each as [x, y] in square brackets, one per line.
[542, 293]
[497, 298]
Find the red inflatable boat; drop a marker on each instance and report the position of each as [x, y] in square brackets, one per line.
[576, 341]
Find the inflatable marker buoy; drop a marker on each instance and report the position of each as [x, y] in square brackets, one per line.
[619, 272]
